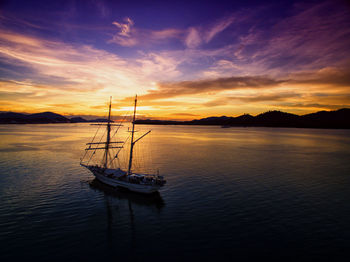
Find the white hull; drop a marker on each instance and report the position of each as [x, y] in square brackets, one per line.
[115, 182]
[147, 189]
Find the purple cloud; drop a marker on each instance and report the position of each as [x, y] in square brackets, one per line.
[311, 38]
[130, 36]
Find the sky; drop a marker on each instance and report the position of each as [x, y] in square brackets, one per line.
[184, 59]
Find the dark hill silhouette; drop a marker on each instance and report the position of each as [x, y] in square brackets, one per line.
[100, 120]
[41, 118]
[83, 120]
[276, 118]
[243, 120]
[12, 117]
[323, 119]
[211, 120]
[336, 119]
[78, 120]
[47, 117]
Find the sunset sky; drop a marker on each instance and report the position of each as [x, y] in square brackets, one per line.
[184, 59]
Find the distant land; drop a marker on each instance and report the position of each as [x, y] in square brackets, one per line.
[322, 119]
[41, 118]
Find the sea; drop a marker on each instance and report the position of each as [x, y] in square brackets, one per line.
[232, 194]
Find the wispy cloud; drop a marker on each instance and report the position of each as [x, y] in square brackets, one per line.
[255, 98]
[101, 7]
[312, 106]
[151, 64]
[84, 66]
[124, 37]
[218, 27]
[130, 36]
[125, 28]
[329, 76]
[304, 88]
[222, 67]
[311, 38]
[193, 39]
[204, 34]
[58, 69]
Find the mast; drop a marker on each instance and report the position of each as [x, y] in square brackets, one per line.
[132, 137]
[108, 135]
[107, 145]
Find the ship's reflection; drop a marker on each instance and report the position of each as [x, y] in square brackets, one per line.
[151, 200]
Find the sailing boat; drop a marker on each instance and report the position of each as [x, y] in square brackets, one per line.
[117, 177]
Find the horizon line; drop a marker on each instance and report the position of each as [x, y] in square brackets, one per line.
[91, 117]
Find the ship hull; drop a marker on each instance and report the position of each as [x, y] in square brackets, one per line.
[115, 182]
[146, 189]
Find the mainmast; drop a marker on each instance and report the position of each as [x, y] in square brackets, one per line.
[132, 137]
[106, 145]
[108, 135]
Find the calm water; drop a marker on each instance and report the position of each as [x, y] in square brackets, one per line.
[233, 193]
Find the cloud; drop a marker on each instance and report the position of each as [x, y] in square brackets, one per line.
[317, 106]
[218, 27]
[183, 114]
[336, 78]
[124, 37]
[124, 41]
[276, 47]
[222, 67]
[204, 34]
[101, 7]
[191, 63]
[129, 36]
[125, 28]
[312, 37]
[268, 97]
[193, 38]
[256, 98]
[60, 71]
[152, 64]
[80, 66]
[164, 33]
[302, 88]
[183, 88]
[328, 76]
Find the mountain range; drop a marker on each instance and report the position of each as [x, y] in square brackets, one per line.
[322, 119]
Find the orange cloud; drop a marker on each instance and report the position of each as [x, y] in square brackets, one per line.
[175, 89]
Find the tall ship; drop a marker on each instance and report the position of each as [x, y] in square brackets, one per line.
[118, 177]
